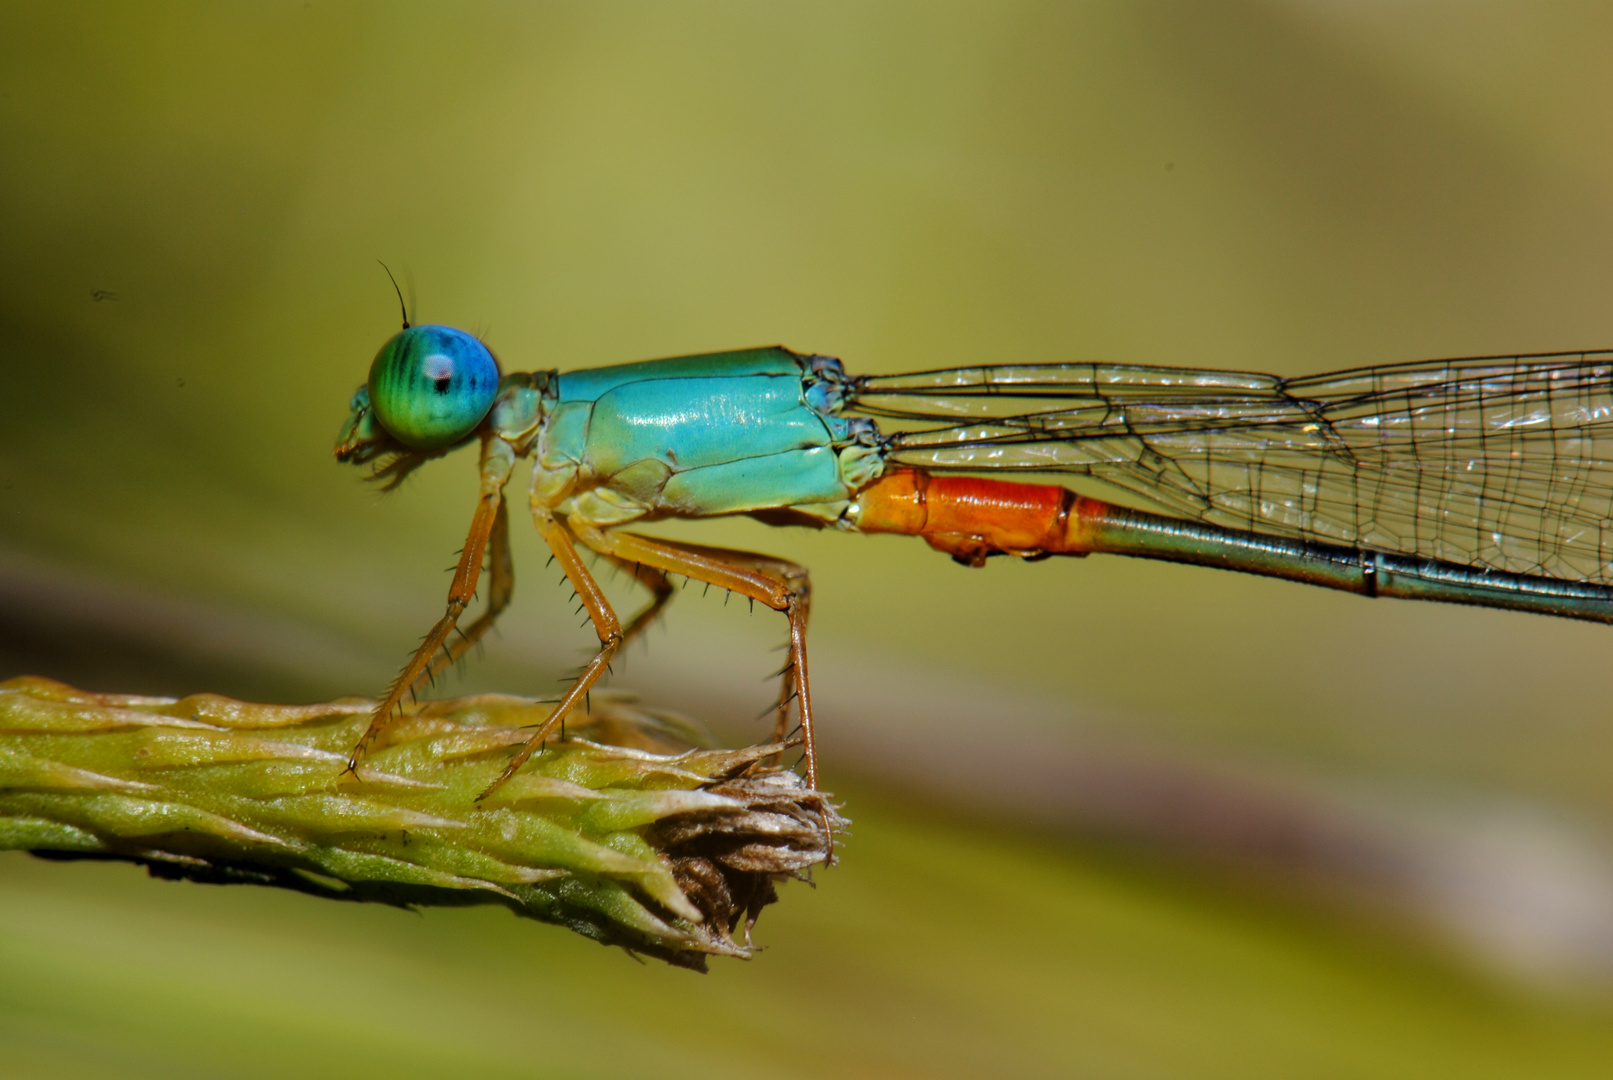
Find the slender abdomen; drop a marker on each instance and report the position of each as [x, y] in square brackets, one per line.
[972, 519]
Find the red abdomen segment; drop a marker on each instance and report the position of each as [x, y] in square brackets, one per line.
[971, 518]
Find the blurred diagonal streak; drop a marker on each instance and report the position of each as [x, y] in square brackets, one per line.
[1519, 885]
[105, 634]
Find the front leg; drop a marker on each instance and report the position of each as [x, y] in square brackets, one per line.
[497, 461]
[500, 588]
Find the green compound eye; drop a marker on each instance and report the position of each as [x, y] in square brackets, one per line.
[431, 385]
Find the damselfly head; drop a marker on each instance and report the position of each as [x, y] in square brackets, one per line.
[363, 441]
[431, 386]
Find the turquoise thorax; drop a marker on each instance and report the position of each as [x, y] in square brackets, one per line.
[720, 433]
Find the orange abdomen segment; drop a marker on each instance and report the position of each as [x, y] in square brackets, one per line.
[971, 518]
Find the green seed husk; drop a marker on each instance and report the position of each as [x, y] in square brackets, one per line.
[623, 832]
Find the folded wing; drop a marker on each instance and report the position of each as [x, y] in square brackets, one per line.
[1495, 462]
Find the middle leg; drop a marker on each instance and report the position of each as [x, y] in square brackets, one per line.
[660, 596]
[606, 625]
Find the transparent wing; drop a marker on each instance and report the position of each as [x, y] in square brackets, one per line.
[1498, 462]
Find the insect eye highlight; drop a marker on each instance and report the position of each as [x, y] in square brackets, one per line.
[431, 386]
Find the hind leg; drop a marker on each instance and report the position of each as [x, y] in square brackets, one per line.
[778, 583]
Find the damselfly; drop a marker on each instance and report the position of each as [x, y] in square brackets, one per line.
[1479, 481]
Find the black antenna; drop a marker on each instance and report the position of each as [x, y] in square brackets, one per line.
[401, 305]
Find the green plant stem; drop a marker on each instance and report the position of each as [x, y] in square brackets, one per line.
[623, 832]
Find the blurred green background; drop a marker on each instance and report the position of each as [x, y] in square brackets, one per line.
[1113, 819]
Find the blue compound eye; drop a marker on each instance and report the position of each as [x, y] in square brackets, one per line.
[431, 385]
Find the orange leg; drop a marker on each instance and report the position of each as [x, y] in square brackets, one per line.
[497, 461]
[778, 583]
[501, 574]
[606, 625]
[501, 586]
[661, 595]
